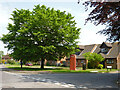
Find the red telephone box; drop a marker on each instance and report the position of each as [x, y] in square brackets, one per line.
[72, 62]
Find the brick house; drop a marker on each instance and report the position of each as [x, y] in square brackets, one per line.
[6, 57]
[110, 51]
[55, 62]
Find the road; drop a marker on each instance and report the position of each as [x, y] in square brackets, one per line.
[63, 80]
[0, 77]
[78, 80]
[15, 80]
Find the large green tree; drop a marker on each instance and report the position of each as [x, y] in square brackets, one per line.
[93, 59]
[105, 13]
[1, 54]
[43, 33]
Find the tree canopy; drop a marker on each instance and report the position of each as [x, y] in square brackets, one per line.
[93, 59]
[43, 33]
[1, 53]
[107, 13]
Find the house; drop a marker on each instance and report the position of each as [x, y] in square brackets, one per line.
[55, 62]
[6, 57]
[110, 51]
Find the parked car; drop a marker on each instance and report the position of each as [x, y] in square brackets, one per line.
[29, 64]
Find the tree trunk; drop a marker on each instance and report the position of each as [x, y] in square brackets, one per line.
[21, 63]
[42, 63]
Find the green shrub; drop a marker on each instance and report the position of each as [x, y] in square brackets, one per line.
[90, 66]
[17, 63]
[0, 61]
[10, 61]
[93, 59]
[100, 66]
[47, 64]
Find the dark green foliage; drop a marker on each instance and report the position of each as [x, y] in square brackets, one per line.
[47, 64]
[40, 34]
[107, 13]
[1, 54]
[89, 65]
[0, 61]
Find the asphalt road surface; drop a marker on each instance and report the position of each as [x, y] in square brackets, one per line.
[78, 80]
[62, 80]
[15, 80]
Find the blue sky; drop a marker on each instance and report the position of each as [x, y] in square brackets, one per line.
[88, 32]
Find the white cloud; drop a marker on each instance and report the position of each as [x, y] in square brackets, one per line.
[88, 34]
[91, 38]
[4, 14]
[4, 19]
[2, 48]
[38, 0]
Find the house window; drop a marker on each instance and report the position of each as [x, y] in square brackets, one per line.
[110, 61]
[76, 62]
[82, 61]
[77, 53]
[104, 50]
[68, 62]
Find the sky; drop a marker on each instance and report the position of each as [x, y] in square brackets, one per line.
[87, 33]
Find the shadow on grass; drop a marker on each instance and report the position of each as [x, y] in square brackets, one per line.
[32, 69]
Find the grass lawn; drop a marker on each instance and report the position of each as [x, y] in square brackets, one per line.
[55, 69]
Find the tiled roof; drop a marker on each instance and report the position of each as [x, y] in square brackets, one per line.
[95, 48]
[114, 51]
[81, 46]
[87, 48]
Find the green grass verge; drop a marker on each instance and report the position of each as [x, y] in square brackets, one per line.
[57, 69]
[70, 71]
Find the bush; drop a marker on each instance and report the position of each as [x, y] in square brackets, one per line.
[47, 64]
[90, 66]
[3, 61]
[93, 59]
[10, 61]
[100, 66]
[0, 61]
[17, 63]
